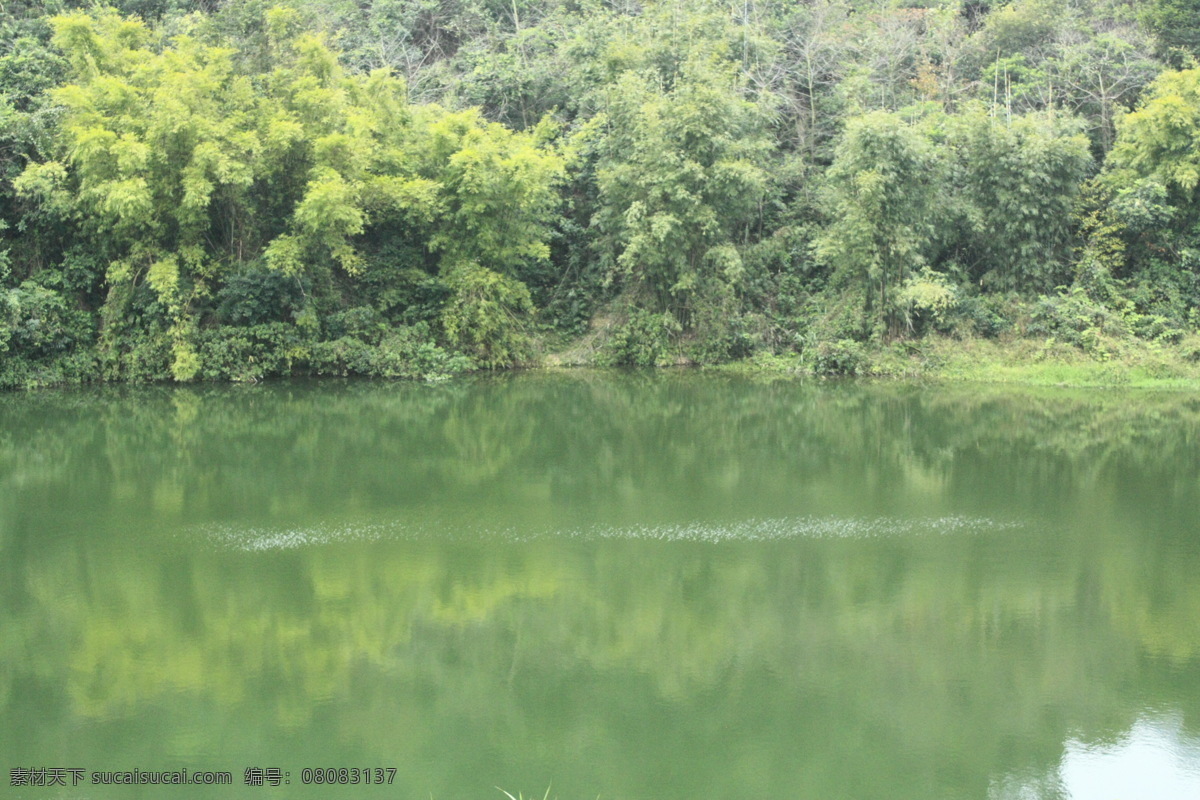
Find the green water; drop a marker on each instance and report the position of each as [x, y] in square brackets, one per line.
[638, 587]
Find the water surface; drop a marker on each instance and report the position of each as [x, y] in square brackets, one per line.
[641, 586]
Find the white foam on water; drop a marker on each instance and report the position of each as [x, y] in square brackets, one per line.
[255, 539]
[759, 530]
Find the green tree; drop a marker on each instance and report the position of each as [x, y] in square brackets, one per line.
[681, 179]
[1176, 26]
[495, 189]
[882, 186]
[154, 146]
[487, 316]
[1158, 141]
[1019, 178]
[1152, 175]
[189, 173]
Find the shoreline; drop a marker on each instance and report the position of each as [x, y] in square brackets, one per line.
[1015, 362]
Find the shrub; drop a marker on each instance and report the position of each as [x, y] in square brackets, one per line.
[925, 299]
[1155, 328]
[143, 356]
[259, 295]
[643, 340]
[834, 317]
[361, 322]
[842, 357]
[404, 352]
[988, 315]
[36, 323]
[251, 353]
[1073, 317]
[43, 341]
[487, 316]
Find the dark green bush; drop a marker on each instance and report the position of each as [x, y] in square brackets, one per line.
[1072, 316]
[726, 338]
[43, 341]
[983, 315]
[259, 295]
[487, 316]
[841, 357]
[404, 352]
[645, 339]
[361, 322]
[142, 356]
[36, 323]
[834, 317]
[1155, 328]
[252, 353]
[1165, 291]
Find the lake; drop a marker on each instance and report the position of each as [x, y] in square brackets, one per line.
[631, 586]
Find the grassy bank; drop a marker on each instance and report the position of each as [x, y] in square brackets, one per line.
[1024, 362]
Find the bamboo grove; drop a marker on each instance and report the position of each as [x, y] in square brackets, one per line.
[237, 189]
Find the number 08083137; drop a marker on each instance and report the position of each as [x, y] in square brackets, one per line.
[348, 775]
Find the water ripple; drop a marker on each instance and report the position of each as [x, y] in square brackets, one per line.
[256, 539]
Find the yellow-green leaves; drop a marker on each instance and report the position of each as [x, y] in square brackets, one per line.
[152, 135]
[1159, 140]
[186, 174]
[330, 215]
[114, 47]
[163, 277]
[1021, 179]
[341, 153]
[925, 296]
[46, 183]
[126, 204]
[486, 193]
[158, 148]
[285, 254]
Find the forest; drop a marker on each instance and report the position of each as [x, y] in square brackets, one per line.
[239, 189]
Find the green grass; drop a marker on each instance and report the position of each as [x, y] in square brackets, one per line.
[520, 796]
[1040, 363]
[1024, 362]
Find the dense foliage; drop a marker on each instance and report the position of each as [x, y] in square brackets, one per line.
[233, 189]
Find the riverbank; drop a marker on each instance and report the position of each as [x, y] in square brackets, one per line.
[1026, 362]
[411, 354]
